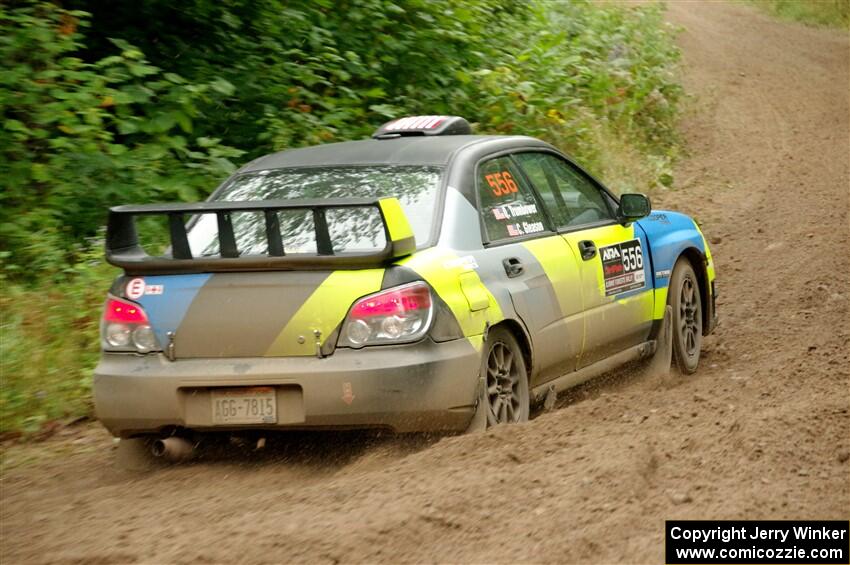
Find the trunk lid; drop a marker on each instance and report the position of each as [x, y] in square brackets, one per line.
[249, 314]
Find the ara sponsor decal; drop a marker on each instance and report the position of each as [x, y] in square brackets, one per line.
[622, 267]
[610, 253]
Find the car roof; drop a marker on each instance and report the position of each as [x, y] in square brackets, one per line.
[412, 150]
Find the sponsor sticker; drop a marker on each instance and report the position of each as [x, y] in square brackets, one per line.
[524, 228]
[465, 262]
[517, 210]
[135, 288]
[622, 267]
[154, 289]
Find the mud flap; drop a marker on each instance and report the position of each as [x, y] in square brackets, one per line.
[550, 399]
[661, 361]
[134, 454]
[479, 417]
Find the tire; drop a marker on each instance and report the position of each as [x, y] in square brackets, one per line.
[684, 297]
[505, 395]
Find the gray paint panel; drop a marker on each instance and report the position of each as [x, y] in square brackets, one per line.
[460, 229]
[531, 299]
[241, 314]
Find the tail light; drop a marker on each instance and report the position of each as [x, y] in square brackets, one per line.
[397, 315]
[126, 327]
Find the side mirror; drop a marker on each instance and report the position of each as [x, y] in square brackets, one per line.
[633, 207]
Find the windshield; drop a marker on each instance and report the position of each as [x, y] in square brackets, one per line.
[358, 229]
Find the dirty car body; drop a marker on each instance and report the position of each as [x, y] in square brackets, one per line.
[354, 285]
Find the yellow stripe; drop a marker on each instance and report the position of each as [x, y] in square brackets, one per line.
[397, 223]
[324, 310]
[709, 262]
[442, 269]
[660, 303]
[549, 252]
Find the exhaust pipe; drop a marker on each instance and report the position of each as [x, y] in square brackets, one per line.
[172, 448]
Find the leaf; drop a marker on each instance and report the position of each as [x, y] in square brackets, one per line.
[187, 193]
[385, 110]
[39, 172]
[184, 121]
[160, 123]
[222, 86]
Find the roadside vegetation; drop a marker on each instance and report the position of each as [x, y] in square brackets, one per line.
[99, 110]
[829, 13]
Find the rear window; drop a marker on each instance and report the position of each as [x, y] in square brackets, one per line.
[351, 230]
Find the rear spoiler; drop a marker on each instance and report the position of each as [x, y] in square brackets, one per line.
[124, 250]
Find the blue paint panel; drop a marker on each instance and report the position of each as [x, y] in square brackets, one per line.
[669, 234]
[167, 310]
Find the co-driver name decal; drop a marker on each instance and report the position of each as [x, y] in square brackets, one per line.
[622, 267]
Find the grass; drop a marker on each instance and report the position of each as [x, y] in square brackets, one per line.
[48, 346]
[828, 13]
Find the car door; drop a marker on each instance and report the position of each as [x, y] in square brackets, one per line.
[613, 259]
[538, 266]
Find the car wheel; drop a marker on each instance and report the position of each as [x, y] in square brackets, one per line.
[684, 297]
[505, 397]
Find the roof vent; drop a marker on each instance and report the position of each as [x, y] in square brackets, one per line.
[423, 125]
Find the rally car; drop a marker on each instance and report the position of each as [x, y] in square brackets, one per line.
[424, 279]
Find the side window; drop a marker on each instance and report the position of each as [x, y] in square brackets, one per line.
[539, 171]
[575, 200]
[508, 206]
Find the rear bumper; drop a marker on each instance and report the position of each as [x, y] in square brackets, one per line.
[421, 387]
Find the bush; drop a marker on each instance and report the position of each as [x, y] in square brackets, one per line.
[49, 345]
[84, 136]
[595, 80]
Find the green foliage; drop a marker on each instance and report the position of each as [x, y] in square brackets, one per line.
[583, 77]
[98, 110]
[310, 71]
[49, 344]
[832, 13]
[83, 136]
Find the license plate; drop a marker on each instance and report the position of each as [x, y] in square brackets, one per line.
[248, 405]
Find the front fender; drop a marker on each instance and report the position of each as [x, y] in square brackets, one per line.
[670, 235]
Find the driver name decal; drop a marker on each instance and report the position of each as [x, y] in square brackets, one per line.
[622, 267]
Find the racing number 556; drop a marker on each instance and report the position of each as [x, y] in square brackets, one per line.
[632, 258]
[502, 183]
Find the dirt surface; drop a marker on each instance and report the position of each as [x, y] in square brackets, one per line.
[761, 431]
